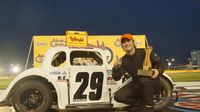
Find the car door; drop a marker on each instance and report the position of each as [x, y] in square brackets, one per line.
[87, 78]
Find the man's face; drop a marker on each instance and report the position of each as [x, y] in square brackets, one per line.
[127, 44]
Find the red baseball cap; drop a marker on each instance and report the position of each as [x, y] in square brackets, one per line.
[127, 36]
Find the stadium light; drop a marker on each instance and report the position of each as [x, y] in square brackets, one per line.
[15, 68]
[169, 64]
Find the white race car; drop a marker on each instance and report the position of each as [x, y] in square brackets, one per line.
[72, 78]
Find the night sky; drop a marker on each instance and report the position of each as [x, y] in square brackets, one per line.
[171, 26]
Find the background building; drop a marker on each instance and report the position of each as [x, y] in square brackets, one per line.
[195, 57]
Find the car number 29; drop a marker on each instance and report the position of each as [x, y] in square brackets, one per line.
[96, 83]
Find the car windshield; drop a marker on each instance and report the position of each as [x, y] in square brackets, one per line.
[86, 58]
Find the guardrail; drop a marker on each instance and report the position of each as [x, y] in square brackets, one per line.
[180, 71]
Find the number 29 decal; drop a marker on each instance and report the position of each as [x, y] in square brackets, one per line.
[96, 83]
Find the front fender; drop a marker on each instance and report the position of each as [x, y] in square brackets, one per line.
[28, 73]
[164, 75]
[169, 79]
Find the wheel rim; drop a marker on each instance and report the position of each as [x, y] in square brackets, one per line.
[31, 99]
[161, 96]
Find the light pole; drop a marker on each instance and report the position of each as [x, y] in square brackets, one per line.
[189, 63]
[169, 62]
[173, 63]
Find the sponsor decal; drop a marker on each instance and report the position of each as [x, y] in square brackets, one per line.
[55, 73]
[138, 43]
[111, 81]
[58, 42]
[39, 58]
[61, 79]
[97, 45]
[108, 52]
[117, 43]
[41, 44]
[76, 39]
[79, 100]
[64, 73]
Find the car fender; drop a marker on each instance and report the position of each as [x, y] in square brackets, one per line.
[34, 72]
[169, 79]
[130, 79]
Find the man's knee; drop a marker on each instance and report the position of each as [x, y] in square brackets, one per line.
[118, 97]
[146, 81]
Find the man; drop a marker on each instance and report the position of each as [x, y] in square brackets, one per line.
[141, 90]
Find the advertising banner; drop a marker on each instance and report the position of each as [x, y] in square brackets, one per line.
[76, 38]
[109, 43]
[112, 46]
[43, 43]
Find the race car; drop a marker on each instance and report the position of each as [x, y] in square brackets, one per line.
[72, 78]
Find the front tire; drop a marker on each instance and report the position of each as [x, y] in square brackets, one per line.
[32, 96]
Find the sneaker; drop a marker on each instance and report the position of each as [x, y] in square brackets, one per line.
[146, 108]
[133, 109]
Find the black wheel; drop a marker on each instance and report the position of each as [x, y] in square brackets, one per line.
[32, 96]
[164, 96]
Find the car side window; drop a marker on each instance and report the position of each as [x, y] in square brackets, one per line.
[86, 58]
[59, 59]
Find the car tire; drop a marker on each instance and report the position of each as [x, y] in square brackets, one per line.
[32, 96]
[165, 95]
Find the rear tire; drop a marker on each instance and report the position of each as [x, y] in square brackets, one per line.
[164, 96]
[32, 96]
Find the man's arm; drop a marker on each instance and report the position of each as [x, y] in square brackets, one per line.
[117, 73]
[157, 63]
[117, 70]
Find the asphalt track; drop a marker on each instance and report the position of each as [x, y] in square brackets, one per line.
[188, 101]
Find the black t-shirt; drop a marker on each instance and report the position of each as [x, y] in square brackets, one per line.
[131, 63]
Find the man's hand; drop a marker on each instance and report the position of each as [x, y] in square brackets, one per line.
[155, 73]
[118, 62]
